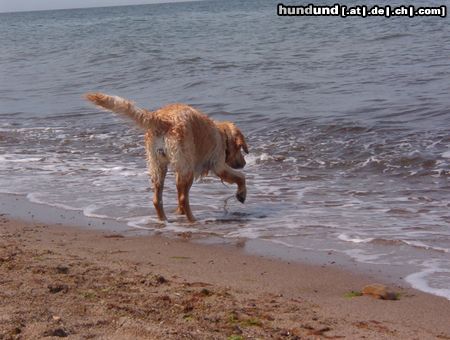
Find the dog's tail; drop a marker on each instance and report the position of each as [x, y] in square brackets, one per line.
[120, 105]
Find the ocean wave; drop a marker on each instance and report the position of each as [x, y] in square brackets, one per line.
[391, 36]
[347, 238]
[421, 280]
[421, 245]
[391, 242]
[339, 143]
[89, 211]
[363, 256]
[41, 198]
[16, 158]
[351, 148]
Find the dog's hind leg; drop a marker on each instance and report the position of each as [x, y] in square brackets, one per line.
[157, 168]
[232, 176]
[184, 183]
[158, 176]
[158, 171]
[180, 209]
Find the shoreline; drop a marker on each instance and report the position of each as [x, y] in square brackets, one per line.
[116, 286]
[22, 208]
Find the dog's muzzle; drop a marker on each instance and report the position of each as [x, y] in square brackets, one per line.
[239, 165]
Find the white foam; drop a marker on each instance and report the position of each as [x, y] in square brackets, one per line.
[250, 159]
[113, 169]
[360, 256]
[35, 197]
[265, 157]
[439, 172]
[446, 154]
[139, 222]
[103, 136]
[347, 238]
[286, 244]
[250, 233]
[145, 222]
[301, 192]
[121, 171]
[371, 159]
[419, 244]
[89, 211]
[291, 159]
[296, 246]
[419, 280]
[19, 158]
[10, 192]
[179, 228]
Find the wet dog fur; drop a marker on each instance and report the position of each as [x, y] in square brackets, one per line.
[189, 141]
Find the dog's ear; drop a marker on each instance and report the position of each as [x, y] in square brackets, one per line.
[240, 140]
[233, 135]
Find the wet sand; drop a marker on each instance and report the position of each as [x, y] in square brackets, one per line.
[59, 281]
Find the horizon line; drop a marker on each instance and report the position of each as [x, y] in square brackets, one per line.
[90, 7]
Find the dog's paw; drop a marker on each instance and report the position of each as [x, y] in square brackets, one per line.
[180, 211]
[241, 196]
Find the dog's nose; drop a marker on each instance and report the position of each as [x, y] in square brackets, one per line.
[240, 165]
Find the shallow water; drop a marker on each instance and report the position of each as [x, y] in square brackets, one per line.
[347, 121]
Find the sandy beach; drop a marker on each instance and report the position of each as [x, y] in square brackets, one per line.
[347, 172]
[61, 281]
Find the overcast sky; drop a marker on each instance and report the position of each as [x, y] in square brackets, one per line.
[32, 5]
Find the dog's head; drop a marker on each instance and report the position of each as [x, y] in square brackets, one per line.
[234, 143]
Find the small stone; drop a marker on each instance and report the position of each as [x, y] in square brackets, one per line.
[113, 236]
[379, 291]
[57, 287]
[166, 298]
[285, 333]
[205, 292]
[61, 269]
[56, 318]
[321, 330]
[237, 329]
[16, 331]
[160, 279]
[185, 235]
[59, 332]
[188, 307]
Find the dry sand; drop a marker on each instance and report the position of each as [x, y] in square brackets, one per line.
[59, 281]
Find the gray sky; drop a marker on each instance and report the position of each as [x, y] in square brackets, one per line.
[32, 5]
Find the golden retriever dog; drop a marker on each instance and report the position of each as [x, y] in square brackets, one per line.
[187, 140]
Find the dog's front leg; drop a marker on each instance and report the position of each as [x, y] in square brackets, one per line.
[232, 176]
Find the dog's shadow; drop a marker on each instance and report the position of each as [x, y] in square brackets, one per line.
[237, 217]
[230, 216]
